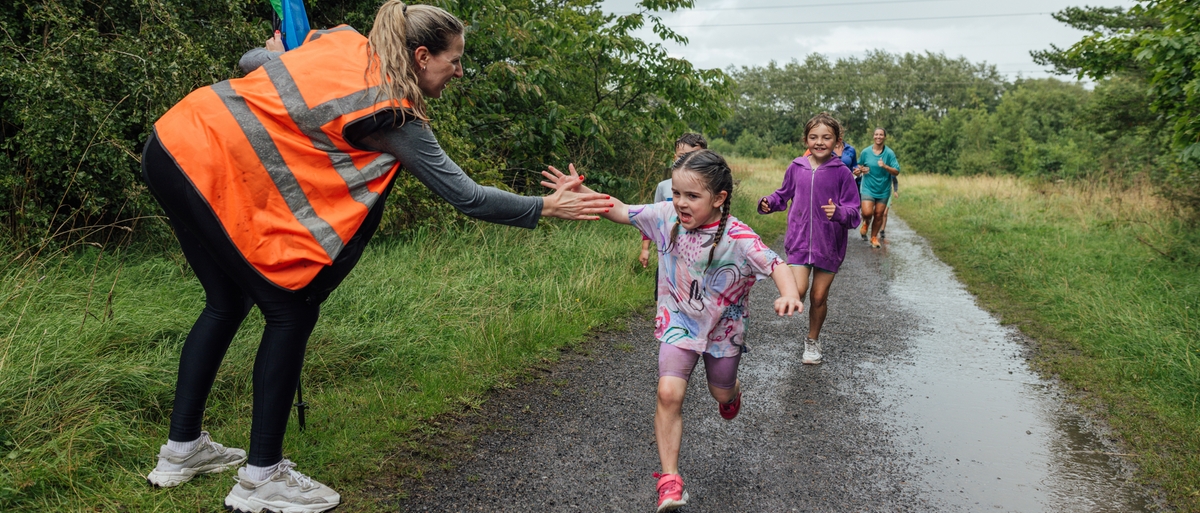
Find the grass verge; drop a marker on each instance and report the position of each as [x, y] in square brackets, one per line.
[1107, 282]
[423, 327]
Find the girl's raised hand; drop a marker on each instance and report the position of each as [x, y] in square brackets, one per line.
[788, 305]
[829, 209]
[558, 180]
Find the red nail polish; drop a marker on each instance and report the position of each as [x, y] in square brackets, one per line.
[611, 205]
[608, 197]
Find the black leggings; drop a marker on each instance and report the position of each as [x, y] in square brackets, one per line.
[231, 287]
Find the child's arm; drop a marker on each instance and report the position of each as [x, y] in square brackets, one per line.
[846, 206]
[777, 200]
[644, 258]
[617, 212]
[789, 301]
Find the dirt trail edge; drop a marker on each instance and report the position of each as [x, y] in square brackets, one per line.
[580, 436]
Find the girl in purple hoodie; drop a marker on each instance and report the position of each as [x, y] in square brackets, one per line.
[825, 205]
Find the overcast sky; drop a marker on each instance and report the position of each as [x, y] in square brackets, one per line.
[1001, 33]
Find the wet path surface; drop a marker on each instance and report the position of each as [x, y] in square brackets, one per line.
[924, 404]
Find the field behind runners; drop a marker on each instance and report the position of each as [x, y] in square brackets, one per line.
[424, 326]
[1107, 281]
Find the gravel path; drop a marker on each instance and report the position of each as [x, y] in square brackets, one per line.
[933, 408]
[580, 437]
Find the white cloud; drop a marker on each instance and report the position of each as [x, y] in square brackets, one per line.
[1003, 41]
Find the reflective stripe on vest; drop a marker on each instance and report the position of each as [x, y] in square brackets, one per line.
[288, 188]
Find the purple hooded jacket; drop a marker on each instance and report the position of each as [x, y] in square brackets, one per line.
[811, 237]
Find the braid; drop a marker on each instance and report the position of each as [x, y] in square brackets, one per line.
[720, 232]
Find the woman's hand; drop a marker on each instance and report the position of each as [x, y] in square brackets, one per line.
[577, 206]
[566, 203]
[829, 209]
[788, 305]
[275, 43]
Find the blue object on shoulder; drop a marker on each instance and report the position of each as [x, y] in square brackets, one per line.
[295, 23]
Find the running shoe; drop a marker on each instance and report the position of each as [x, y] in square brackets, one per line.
[882, 235]
[875, 242]
[730, 410]
[176, 468]
[812, 352]
[862, 231]
[670, 492]
[286, 491]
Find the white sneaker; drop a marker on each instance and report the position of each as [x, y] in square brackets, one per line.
[287, 491]
[812, 352]
[176, 468]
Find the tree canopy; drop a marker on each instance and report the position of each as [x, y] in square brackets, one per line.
[546, 82]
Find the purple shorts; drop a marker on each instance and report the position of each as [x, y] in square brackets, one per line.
[721, 372]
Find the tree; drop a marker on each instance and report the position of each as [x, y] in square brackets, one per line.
[1156, 41]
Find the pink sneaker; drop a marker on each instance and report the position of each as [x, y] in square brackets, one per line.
[670, 492]
[729, 411]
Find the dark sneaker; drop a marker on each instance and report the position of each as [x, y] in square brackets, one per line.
[176, 468]
[670, 492]
[729, 411]
[882, 235]
[286, 491]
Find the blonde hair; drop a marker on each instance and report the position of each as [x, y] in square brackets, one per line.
[398, 31]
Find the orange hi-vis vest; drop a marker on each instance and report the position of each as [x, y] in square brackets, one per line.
[268, 153]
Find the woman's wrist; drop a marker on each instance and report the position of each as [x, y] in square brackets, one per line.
[549, 205]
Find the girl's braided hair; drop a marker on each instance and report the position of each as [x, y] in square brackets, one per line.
[717, 177]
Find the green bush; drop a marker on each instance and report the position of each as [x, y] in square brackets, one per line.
[81, 84]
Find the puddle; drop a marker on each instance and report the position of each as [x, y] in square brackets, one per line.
[986, 432]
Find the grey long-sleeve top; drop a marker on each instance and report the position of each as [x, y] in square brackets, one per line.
[414, 145]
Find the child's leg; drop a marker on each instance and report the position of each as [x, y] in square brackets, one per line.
[884, 218]
[817, 308]
[674, 368]
[801, 273]
[722, 377]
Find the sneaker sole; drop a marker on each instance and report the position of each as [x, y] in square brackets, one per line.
[242, 506]
[173, 479]
[672, 505]
[811, 362]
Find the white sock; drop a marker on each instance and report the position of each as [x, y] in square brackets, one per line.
[261, 473]
[183, 447]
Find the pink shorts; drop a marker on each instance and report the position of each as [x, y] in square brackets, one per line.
[721, 372]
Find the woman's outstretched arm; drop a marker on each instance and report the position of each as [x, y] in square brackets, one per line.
[419, 152]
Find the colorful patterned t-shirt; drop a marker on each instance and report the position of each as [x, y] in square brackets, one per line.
[701, 309]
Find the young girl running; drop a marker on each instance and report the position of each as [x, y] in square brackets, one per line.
[708, 261]
[881, 165]
[824, 207]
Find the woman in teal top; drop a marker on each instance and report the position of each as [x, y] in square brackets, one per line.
[877, 165]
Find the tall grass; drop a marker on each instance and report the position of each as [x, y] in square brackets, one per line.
[1107, 279]
[421, 327]
[425, 325]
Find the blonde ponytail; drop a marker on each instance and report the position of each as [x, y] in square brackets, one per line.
[398, 31]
